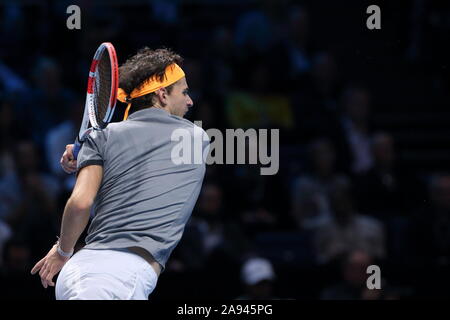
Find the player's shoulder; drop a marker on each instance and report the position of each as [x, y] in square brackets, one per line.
[97, 134]
[115, 127]
[193, 127]
[182, 122]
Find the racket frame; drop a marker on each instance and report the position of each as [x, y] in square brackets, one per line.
[90, 121]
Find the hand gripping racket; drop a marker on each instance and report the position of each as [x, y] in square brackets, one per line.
[101, 93]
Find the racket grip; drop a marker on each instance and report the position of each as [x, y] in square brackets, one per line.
[76, 148]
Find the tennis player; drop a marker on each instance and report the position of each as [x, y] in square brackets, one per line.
[139, 198]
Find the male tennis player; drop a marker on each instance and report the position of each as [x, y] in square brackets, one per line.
[140, 199]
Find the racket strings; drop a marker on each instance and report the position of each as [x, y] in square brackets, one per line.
[102, 88]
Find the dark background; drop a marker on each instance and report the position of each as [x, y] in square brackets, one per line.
[309, 68]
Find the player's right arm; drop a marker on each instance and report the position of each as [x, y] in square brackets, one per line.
[68, 162]
[74, 221]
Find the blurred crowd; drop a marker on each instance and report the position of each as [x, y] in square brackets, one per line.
[342, 200]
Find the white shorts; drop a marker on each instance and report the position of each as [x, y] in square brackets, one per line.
[105, 275]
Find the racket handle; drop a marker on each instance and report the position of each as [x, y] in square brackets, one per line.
[76, 148]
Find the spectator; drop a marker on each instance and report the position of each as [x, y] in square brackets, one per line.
[353, 280]
[315, 101]
[28, 199]
[252, 195]
[431, 225]
[12, 21]
[209, 233]
[58, 137]
[386, 190]
[259, 29]
[389, 192]
[260, 106]
[297, 43]
[11, 82]
[311, 207]
[258, 277]
[44, 109]
[352, 137]
[347, 229]
[219, 61]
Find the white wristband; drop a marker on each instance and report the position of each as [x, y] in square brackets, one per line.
[62, 253]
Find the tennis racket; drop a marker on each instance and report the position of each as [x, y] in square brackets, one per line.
[101, 93]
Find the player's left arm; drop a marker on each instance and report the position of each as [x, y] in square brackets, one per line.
[74, 221]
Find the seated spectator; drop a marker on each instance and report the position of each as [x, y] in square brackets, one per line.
[260, 106]
[431, 224]
[219, 61]
[13, 84]
[209, 234]
[26, 177]
[430, 240]
[258, 30]
[347, 229]
[315, 102]
[297, 44]
[258, 278]
[310, 204]
[28, 199]
[62, 134]
[56, 140]
[258, 200]
[258, 220]
[386, 190]
[352, 284]
[44, 109]
[352, 134]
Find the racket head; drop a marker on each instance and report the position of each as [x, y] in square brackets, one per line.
[102, 86]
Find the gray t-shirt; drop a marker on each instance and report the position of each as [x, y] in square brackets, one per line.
[145, 199]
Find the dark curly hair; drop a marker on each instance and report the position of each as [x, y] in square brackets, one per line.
[143, 65]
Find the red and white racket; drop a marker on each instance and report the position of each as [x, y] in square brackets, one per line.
[101, 94]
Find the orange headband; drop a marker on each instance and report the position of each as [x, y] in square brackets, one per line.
[172, 74]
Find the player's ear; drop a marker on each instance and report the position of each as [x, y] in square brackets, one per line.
[162, 95]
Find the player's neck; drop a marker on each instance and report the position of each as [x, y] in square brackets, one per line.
[165, 108]
[158, 106]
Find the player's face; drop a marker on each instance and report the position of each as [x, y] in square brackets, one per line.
[179, 100]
